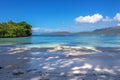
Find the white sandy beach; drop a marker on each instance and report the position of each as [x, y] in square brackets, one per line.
[59, 63]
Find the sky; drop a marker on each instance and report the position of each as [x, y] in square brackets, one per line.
[62, 15]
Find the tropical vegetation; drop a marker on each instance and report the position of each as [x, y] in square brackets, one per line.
[13, 29]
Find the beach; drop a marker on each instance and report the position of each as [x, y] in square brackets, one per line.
[59, 40]
[59, 63]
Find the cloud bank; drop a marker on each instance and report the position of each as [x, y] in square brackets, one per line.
[89, 19]
[39, 30]
[96, 18]
[117, 17]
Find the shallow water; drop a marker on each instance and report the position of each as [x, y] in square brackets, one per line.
[66, 40]
[56, 65]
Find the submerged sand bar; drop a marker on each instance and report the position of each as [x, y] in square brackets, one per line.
[59, 63]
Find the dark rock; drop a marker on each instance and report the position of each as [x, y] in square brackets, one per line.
[44, 79]
[18, 73]
[28, 70]
[31, 70]
[1, 67]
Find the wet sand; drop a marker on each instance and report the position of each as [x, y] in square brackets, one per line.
[59, 63]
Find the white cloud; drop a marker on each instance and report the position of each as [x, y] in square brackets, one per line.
[117, 17]
[89, 19]
[118, 24]
[107, 19]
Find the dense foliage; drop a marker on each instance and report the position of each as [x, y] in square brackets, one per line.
[12, 29]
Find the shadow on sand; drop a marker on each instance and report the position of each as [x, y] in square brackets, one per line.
[42, 64]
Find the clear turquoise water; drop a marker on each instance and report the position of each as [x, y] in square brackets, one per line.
[67, 40]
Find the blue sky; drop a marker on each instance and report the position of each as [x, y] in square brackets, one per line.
[62, 15]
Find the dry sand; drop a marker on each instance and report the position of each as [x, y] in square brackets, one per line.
[59, 63]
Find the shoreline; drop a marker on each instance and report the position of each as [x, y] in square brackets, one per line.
[59, 63]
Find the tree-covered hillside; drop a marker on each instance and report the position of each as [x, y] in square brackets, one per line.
[12, 29]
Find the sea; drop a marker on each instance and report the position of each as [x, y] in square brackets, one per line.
[40, 41]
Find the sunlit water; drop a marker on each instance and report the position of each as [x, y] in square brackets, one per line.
[66, 40]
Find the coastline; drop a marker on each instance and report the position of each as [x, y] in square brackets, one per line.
[59, 63]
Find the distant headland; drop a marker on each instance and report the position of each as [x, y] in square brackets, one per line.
[110, 30]
[13, 29]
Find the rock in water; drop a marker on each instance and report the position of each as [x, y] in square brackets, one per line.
[18, 73]
[0, 67]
